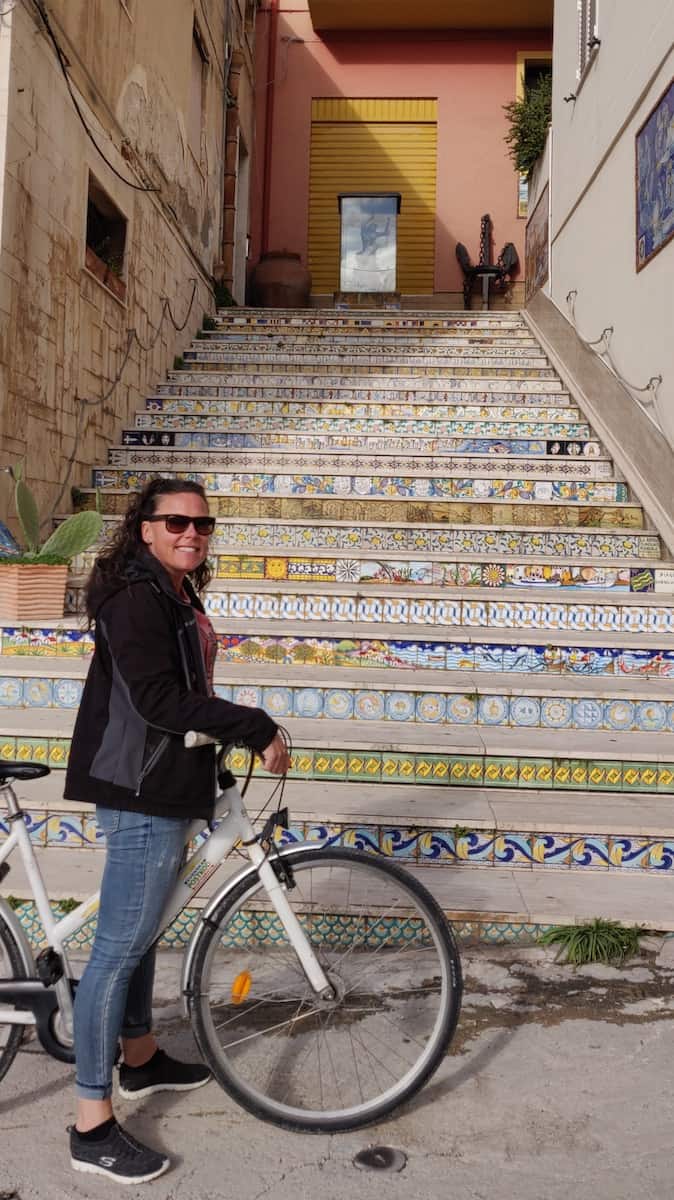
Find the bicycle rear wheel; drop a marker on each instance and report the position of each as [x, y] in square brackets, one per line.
[11, 967]
[293, 1058]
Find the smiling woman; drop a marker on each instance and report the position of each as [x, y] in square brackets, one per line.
[149, 683]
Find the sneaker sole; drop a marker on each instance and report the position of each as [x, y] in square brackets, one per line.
[140, 1093]
[94, 1169]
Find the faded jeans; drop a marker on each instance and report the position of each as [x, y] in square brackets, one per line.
[114, 996]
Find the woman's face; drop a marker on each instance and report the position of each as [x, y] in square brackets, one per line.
[178, 553]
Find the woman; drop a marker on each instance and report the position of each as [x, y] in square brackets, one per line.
[150, 680]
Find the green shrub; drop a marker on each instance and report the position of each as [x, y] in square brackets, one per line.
[529, 119]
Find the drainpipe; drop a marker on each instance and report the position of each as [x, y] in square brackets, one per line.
[269, 122]
[231, 170]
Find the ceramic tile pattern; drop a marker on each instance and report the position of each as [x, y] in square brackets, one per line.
[362, 463]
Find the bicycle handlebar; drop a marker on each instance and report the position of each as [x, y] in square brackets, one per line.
[192, 739]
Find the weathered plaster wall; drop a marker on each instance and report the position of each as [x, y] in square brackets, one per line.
[593, 243]
[64, 335]
[472, 76]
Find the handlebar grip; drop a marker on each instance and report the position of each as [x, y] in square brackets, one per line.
[193, 739]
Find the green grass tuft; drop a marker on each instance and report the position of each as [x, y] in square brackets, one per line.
[596, 941]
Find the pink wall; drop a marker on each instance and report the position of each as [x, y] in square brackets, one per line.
[471, 75]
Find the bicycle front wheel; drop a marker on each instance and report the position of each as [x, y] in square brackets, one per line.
[308, 1063]
[11, 967]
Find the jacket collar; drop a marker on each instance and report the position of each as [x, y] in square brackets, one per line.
[147, 566]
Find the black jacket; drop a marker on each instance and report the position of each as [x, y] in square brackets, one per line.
[146, 687]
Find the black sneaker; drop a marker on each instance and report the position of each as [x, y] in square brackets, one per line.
[161, 1074]
[119, 1156]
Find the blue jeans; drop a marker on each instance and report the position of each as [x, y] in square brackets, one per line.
[114, 996]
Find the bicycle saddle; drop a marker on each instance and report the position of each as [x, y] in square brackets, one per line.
[20, 770]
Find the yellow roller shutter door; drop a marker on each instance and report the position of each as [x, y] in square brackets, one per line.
[374, 146]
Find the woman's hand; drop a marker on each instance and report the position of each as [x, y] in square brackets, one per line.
[275, 757]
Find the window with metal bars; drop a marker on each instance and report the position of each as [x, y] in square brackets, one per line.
[588, 40]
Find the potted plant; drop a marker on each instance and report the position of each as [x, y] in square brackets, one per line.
[33, 580]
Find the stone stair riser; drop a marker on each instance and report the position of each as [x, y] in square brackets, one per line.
[491, 448]
[437, 425]
[256, 647]
[390, 486]
[461, 846]
[438, 410]
[456, 356]
[441, 708]
[385, 390]
[171, 450]
[422, 365]
[364, 385]
[505, 523]
[326, 318]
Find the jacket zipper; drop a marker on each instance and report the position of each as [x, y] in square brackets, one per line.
[160, 748]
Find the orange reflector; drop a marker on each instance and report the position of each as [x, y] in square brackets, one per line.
[241, 987]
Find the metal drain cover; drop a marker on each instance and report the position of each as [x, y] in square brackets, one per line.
[380, 1158]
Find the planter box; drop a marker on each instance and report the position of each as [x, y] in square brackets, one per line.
[32, 592]
[114, 283]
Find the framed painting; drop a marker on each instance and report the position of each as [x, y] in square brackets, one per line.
[536, 245]
[654, 172]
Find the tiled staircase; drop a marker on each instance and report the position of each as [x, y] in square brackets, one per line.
[428, 570]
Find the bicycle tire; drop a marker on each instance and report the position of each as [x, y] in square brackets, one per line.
[385, 919]
[11, 967]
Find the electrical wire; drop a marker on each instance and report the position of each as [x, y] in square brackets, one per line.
[84, 403]
[138, 187]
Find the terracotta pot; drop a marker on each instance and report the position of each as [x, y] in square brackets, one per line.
[280, 280]
[32, 592]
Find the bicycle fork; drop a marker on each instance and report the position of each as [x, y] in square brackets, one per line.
[296, 935]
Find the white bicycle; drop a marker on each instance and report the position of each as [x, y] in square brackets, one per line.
[323, 984]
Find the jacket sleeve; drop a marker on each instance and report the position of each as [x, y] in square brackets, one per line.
[142, 644]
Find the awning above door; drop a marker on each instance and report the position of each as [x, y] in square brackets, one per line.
[382, 15]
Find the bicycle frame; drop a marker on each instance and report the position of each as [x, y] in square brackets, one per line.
[234, 827]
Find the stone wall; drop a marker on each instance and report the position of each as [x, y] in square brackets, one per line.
[65, 335]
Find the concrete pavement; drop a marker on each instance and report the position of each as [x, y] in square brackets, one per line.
[559, 1083]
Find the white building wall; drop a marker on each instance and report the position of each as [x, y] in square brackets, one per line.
[593, 218]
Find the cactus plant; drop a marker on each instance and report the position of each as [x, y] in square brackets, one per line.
[70, 538]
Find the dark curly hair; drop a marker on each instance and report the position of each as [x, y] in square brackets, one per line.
[126, 542]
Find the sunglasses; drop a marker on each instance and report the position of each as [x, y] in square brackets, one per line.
[177, 523]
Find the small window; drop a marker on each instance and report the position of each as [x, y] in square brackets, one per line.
[106, 239]
[198, 84]
[587, 34]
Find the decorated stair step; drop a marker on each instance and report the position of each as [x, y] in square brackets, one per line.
[278, 631]
[393, 752]
[458, 368]
[380, 543]
[387, 443]
[437, 425]
[551, 466]
[342, 386]
[338, 811]
[413, 319]
[413, 486]
[452, 341]
[441, 352]
[468, 827]
[502, 905]
[443, 699]
[504, 515]
[439, 409]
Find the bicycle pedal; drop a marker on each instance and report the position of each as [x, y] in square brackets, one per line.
[49, 966]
